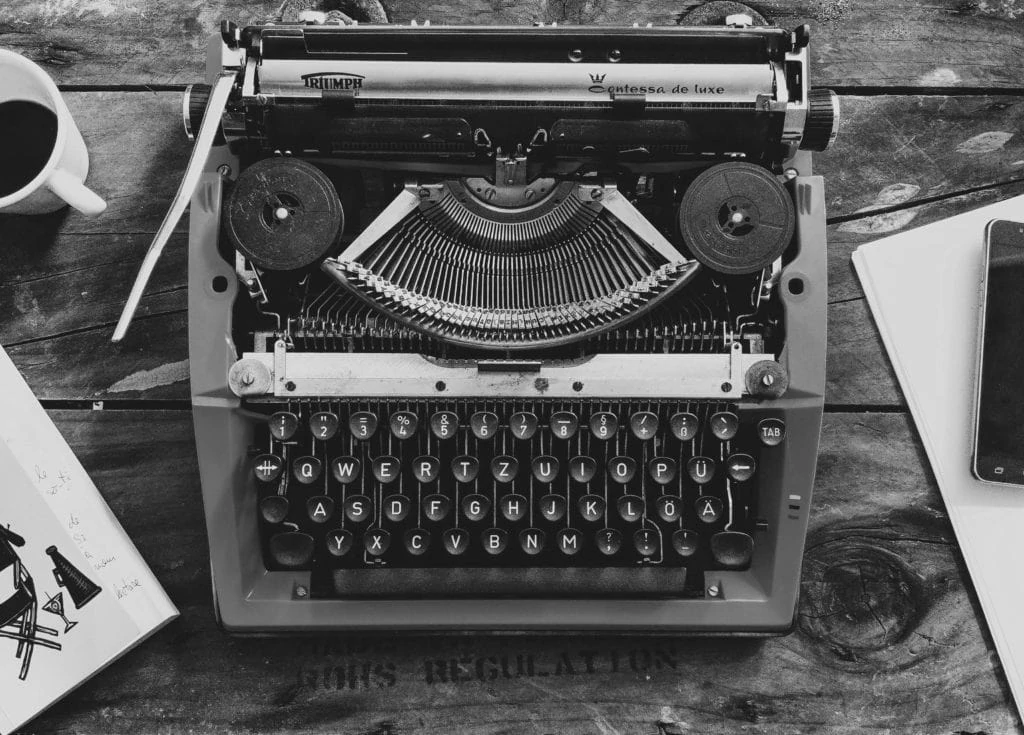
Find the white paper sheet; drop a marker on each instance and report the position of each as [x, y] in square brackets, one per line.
[923, 287]
[54, 520]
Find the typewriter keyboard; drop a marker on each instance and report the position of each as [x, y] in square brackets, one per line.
[472, 484]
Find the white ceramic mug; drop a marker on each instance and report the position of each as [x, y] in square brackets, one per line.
[59, 181]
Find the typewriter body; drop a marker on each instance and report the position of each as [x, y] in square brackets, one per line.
[507, 328]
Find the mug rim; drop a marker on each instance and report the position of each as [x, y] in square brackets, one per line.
[53, 94]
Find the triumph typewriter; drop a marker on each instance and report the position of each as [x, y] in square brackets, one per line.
[506, 328]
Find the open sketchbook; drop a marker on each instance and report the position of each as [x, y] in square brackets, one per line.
[923, 287]
[74, 592]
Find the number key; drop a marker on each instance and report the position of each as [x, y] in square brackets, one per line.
[363, 425]
[603, 425]
[444, 424]
[323, 425]
[564, 424]
[283, 425]
[483, 424]
[523, 425]
[404, 424]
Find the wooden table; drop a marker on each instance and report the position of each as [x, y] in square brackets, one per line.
[890, 635]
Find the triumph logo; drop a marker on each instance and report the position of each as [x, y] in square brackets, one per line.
[597, 78]
[333, 80]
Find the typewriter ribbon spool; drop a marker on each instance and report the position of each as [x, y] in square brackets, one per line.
[736, 218]
[284, 214]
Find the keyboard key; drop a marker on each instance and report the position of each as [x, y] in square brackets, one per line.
[397, 507]
[291, 549]
[662, 470]
[569, 541]
[483, 424]
[644, 425]
[456, 541]
[732, 549]
[545, 468]
[376, 541]
[386, 469]
[564, 424]
[582, 469]
[283, 425]
[621, 469]
[345, 469]
[267, 467]
[363, 425]
[504, 468]
[475, 507]
[740, 467]
[531, 540]
[630, 507]
[646, 541]
[323, 425]
[339, 542]
[494, 540]
[358, 508]
[320, 508]
[724, 425]
[523, 425]
[426, 469]
[684, 426]
[553, 508]
[701, 469]
[771, 431]
[603, 425]
[591, 507]
[685, 542]
[669, 508]
[307, 470]
[465, 468]
[609, 541]
[404, 424]
[274, 508]
[417, 541]
[444, 424]
[709, 508]
[437, 507]
[513, 507]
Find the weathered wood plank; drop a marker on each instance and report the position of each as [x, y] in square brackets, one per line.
[66, 277]
[889, 638]
[948, 43]
[891, 150]
[152, 362]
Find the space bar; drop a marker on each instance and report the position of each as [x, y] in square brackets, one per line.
[539, 582]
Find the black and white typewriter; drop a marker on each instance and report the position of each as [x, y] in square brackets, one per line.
[506, 328]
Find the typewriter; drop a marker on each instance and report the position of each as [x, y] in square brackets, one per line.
[506, 328]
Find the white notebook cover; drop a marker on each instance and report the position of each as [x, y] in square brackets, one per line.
[52, 519]
[923, 287]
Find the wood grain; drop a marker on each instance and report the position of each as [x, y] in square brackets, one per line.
[888, 638]
[946, 43]
[66, 276]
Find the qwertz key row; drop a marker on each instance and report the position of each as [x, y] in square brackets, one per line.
[464, 484]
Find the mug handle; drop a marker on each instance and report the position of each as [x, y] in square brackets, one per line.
[74, 192]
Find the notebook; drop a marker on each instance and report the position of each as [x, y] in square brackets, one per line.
[923, 287]
[74, 592]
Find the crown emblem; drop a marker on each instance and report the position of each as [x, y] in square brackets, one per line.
[597, 78]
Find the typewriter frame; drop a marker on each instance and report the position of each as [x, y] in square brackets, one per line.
[251, 600]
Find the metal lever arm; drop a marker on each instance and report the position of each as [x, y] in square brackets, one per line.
[204, 142]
